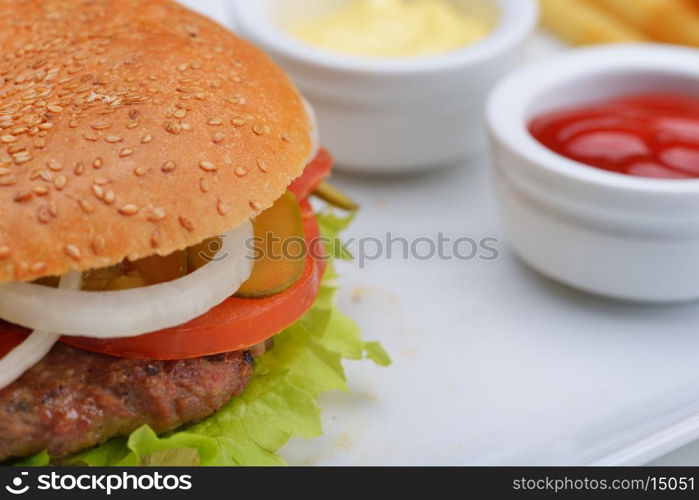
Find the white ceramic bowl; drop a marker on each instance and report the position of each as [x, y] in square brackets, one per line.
[626, 237]
[392, 115]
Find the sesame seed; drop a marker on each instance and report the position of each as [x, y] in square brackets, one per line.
[39, 143]
[73, 252]
[155, 239]
[54, 108]
[20, 160]
[180, 113]
[53, 208]
[238, 122]
[109, 197]
[261, 165]
[97, 163]
[222, 207]
[46, 126]
[101, 125]
[20, 154]
[113, 139]
[7, 139]
[54, 165]
[186, 223]
[207, 166]
[129, 210]
[40, 190]
[86, 207]
[204, 185]
[169, 166]
[132, 125]
[101, 181]
[5, 252]
[98, 245]
[241, 171]
[60, 182]
[126, 152]
[23, 196]
[260, 129]
[79, 168]
[8, 180]
[173, 128]
[89, 136]
[157, 215]
[5, 171]
[218, 137]
[141, 171]
[98, 191]
[46, 175]
[146, 139]
[39, 267]
[182, 67]
[215, 122]
[43, 214]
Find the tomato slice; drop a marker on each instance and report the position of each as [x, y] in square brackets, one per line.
[10, 337]
[316, 172]
[232, 326]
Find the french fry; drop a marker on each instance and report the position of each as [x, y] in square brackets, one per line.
[580, 23]
[673, 21]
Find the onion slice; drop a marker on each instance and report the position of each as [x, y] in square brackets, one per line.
[36, 346]
[25, 355]
[129, 313]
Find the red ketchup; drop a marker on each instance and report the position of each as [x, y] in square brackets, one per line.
[647, 135]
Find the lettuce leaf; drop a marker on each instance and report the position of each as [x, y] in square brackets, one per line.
[330, 226]
[279, 403]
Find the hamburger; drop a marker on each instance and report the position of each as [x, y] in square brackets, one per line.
[153, 168]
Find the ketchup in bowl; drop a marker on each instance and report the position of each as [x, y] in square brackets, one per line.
[645, 135]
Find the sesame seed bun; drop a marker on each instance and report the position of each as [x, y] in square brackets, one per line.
[131, 128]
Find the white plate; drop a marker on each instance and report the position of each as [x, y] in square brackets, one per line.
[493, 364]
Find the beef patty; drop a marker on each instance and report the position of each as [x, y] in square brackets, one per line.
[73, 399]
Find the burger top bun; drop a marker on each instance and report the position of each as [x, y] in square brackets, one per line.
[130, 128]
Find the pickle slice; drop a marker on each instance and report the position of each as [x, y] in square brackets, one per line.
[99, 280]
[157, 269]
[279, 250]
[144, 272]
[200, 255]
[335, 197]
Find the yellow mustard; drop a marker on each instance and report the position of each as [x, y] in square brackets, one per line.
[393, 28]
